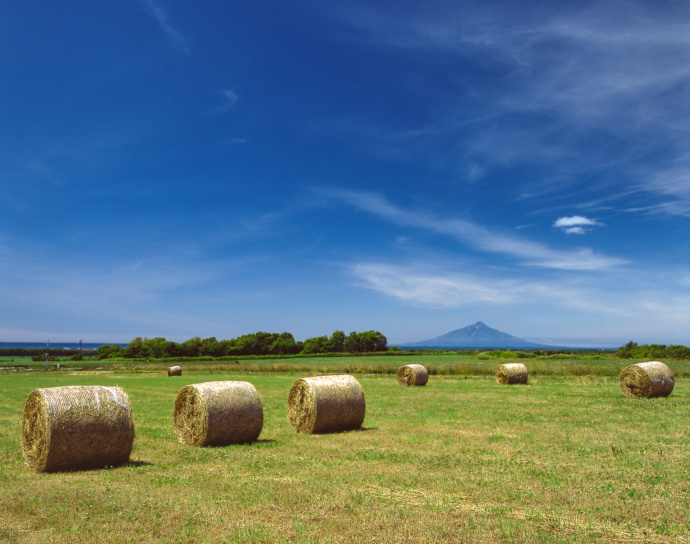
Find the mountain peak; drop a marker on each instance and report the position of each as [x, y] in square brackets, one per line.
[477, 336]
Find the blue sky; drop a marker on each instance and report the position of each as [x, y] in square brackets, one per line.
[177, 169]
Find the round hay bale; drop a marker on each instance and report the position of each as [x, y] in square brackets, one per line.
[326, 404]
[77, 427]
[174, 371]
[218, 414]
[648, 380]
[511, 373]
[413, 375]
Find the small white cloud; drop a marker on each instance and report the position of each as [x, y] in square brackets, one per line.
[575, 230]
[574, 221]
[575, 224]
[479, 237]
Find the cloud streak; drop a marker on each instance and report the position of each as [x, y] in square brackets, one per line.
[528, 252]
[229, 97]
[570, 75]
[417, 285]
[160, 16]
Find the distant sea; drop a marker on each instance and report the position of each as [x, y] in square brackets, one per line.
[56, 345]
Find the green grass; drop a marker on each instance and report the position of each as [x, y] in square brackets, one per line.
[438, 365]
[563, 459]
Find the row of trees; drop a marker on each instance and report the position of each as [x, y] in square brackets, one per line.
[257, 343]
[653, 351]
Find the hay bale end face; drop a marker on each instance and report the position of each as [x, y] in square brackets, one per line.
[648, 380]
[174, 371]
[218, 414]
[77, 427]
[413, 375]
[324, 404]
[511, 373]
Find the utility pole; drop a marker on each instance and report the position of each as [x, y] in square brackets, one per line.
[47, 352]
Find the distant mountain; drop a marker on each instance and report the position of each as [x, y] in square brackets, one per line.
[477, 336]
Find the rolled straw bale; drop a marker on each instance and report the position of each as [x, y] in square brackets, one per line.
[510, 373]
[77, 427]
[218, 414]
[413, 375]
[325, 404]
[174, 371]
[650, 379]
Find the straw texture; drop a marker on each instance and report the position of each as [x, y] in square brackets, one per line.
[77, 427]
[413, 375]
[174, 371]
[326, 404]
[511, 373]
[218, 414]
[648, 380]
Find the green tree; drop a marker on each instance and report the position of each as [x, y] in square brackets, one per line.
[138, 349]
[191, 347]
[336, 343]
[626, 351]
[363, 342]
[319, 344]
[110, 351]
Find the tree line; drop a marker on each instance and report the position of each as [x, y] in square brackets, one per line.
[632, 350]
[257, 343]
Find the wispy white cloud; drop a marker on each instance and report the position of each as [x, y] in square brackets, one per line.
[672, 185]
[526, 251]
[423, 286]
[571, 75]
[161, 17]
[607, 303]
[440, 290]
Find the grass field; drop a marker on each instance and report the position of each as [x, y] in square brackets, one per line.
[438, 365]
[563, 459]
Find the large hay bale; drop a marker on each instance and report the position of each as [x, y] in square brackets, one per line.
[510, 373]
[413, 375]
[77, 427]
[218, 414]
[326, 404]
[649, 380]
[174, 371]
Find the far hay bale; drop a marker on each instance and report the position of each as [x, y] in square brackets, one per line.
[511, 373]
[413, 375]
[174, 371]
[326, 404]
[77, 427]
[648, 380]
[218, 414]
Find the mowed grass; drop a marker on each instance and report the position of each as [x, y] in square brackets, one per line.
[562, 459]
